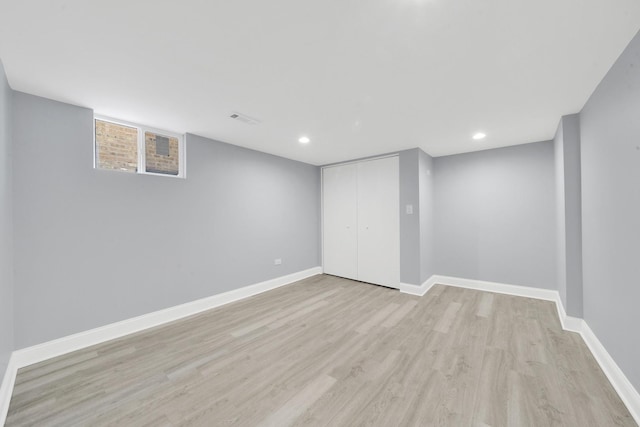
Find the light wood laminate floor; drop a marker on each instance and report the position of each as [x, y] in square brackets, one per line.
[333, 352]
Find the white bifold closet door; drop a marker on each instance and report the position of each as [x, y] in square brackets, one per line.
[361, 229]
[379, 222]
[340, 220]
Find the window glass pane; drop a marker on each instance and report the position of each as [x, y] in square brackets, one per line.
[116, 146]
[161, 154]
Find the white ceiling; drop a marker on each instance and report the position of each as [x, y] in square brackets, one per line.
[358, 77]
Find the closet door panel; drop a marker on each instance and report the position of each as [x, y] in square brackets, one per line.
[339, 205]
[379, 222]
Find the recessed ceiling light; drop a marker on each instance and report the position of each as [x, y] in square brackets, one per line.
[304, 140]
[478, 136]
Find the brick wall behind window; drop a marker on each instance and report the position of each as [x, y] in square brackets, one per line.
[116, 146]
[158, 163]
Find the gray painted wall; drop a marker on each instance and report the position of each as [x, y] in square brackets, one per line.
[573, 214]
[427, 203]
[569, 213]
[417, 257]
[561, 238]
[495, 216]
[6, 225]
[93, 247]
[409, 223]
[610, 130]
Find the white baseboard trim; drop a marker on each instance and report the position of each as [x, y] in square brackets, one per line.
[569, 323]
[418, 290]
[573, 324]
[617, 378]
[500, 288]
[7, 388]
[38, 353]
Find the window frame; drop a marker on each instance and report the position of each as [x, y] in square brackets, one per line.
[142, 161]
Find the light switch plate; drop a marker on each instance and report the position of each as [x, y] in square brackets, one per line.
[409, 209]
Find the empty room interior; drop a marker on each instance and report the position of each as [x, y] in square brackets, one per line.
[285, 213]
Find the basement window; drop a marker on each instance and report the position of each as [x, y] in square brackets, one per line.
[132, 148]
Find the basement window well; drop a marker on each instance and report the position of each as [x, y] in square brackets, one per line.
[132, 148]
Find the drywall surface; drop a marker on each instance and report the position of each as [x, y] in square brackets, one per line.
[409, 222]
[495, 215]
[561, 238]
[427, 206]
[6, 226]
[95, 246]
[569, 206]
[610, 152]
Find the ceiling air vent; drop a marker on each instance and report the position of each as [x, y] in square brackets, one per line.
[244, 118]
